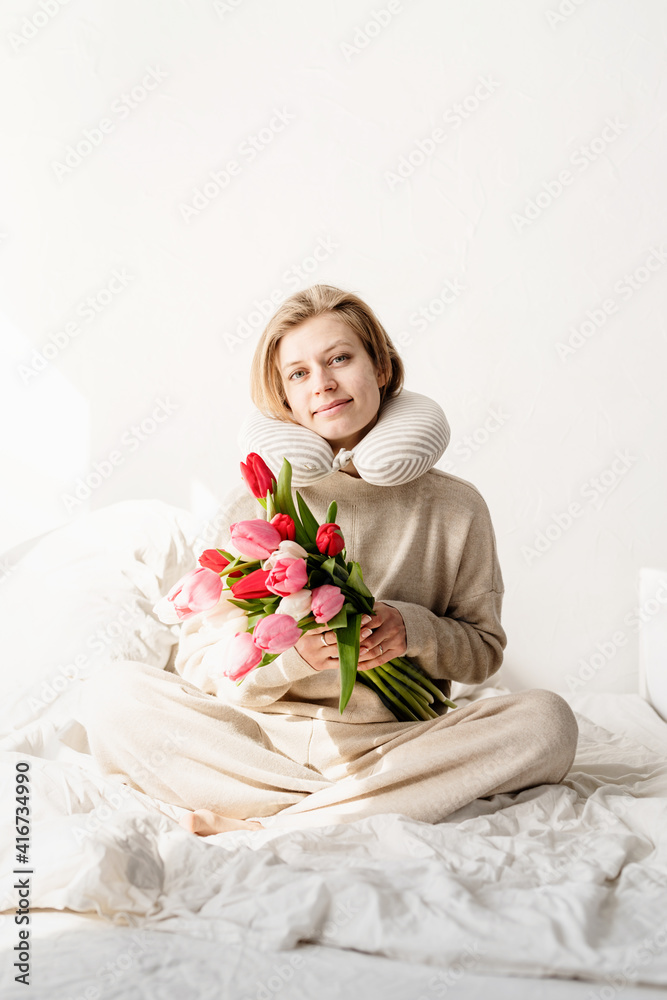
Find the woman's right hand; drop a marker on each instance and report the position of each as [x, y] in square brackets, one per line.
[319, 647]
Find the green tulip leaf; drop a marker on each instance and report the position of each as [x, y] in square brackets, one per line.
[348, 658]
[339, 620]
[285, 503]
[317, 579]
[310, 525]
[329, 566]
[244, 605]
[356, 581]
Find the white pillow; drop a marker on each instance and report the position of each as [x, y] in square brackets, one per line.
[652, 626]
[82, 597]
[409, 437]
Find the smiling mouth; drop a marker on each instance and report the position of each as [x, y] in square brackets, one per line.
[334, 407]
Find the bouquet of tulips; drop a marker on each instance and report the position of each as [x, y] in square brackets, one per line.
[288, 575]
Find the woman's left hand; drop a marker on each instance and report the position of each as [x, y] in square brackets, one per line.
[387, 640]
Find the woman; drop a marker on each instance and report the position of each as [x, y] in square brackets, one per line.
[274, 750]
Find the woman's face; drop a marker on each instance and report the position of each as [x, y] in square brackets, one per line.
[330, 382]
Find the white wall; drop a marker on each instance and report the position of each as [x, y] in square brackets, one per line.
[523, 93]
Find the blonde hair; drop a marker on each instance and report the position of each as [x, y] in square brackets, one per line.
[266, 385]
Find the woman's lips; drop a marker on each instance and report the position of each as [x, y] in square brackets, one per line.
[333, 410]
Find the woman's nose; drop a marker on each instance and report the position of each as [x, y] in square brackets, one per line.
[324, 380]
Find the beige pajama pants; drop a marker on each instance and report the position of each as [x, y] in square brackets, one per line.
[185, 747]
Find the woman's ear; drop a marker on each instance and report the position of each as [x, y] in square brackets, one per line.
[381, 377]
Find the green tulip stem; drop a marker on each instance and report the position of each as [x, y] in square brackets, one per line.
[403, 664]
[421, 692]
[376, 680]
[306, 624]
[413, 700]
[234, 569]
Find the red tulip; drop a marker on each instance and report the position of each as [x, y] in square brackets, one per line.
[285, 525]
[212, 559]
[252, 585]
[257, 475]
[329, 539]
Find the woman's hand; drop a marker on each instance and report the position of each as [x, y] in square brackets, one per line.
[319, 646]
[387, 637]
[384, 629]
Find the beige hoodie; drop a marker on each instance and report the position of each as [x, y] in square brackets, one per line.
[428, 549]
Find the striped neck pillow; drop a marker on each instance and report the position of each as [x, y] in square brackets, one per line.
[409, 437]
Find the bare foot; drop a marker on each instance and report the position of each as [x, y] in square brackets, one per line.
[205, 823]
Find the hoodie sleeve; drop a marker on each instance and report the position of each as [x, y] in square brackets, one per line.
[465, 642]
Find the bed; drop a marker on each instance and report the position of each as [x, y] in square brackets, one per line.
[559, 890]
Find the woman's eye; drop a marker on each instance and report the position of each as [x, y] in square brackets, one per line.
[296, 375]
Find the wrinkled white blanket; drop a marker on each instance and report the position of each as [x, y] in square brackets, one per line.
[567, 880]
[563, 880]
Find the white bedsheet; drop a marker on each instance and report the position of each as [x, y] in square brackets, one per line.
[566, 881]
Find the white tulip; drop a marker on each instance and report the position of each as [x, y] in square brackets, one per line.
[286, 550]
[214, 659]
[297, 605]
[166, 612]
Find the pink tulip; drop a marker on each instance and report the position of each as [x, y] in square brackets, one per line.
[326, 603]
[196, 591]
[255, 539]
[287, 576]
[242, 656]
[276, 633]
